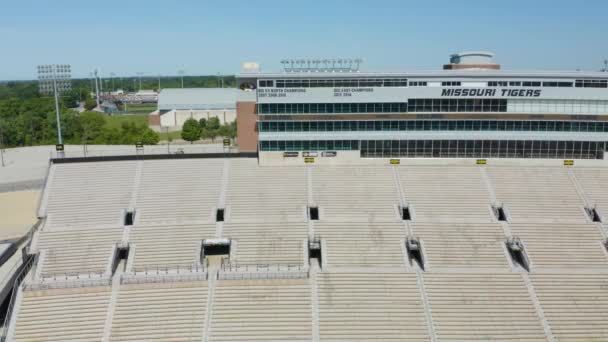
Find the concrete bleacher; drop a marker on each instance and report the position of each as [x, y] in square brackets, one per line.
[455, 194]
[346, 194]
[482, 307]
[563, 245]
[361, 244]
[168, 246]
[88, 194]
[575, 304]
[594, 182]
[261, 310]
[73, 314]
[462, 245]
[252, 193]
[160, 312]
[365, 286]
[76, 251]
[267, 243]
[537, 194]
[363, 306]
[179, 192]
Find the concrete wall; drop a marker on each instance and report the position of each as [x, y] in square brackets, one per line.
[272, 158]
[176, 118]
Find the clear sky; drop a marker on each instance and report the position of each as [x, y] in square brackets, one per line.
[207, 37]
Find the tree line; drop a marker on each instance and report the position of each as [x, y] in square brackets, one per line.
[194, 130]
[33, 122]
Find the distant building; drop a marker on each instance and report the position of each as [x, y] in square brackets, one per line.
[177, 105]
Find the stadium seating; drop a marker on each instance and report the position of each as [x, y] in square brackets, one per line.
[88, 194]
[168, 246]
[76, 251]
[365, 288]
[575, 304]
[595, 184]
[362, 244]
[179, 192]
[73, 314]
[482, 307]
[160, 312]
[454, 194]
[562, 245]
[365, 306]
[261, 310]
[460, 245]
[537, 194]
[361, 194]
[270, 243]
[252, 194]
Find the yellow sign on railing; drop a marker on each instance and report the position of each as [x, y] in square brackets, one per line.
[569, 162]
[481, 162]
[309, 160]
[395, 161]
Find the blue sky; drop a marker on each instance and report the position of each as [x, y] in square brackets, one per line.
[207, 37]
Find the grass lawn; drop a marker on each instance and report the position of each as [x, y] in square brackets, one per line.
[115, 121]
[141, 107]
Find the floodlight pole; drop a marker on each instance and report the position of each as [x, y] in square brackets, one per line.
[57, 105]
[1, 146]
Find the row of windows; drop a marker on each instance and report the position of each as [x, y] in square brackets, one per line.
[482, 149]
[326, 108]
[591, 83]
[402, 82]
[337, 83]
[457, 105]
[312, 145]
[449, 148]
[418, 83]
[432, 125]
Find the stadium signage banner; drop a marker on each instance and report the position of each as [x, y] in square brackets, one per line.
[491, 92]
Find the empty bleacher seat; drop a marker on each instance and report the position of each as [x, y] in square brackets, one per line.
[538, 194]
[74, 314]
[462, 245]
[370, 307]
[261, 310]
[482, 307]
[160, 312]
[257, 194]
[179, 191]
[446, 194]
[88, 194]
[355, 194]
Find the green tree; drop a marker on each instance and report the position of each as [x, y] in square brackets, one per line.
[92, 127]
[203, 123]
[150, 137]
[191, 130]
[213, 127]
[90, 104]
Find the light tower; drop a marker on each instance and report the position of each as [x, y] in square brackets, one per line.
[181, 74]
[55, 79]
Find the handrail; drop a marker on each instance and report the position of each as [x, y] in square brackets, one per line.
[27, 266]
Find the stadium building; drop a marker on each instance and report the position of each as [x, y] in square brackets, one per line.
[470, 109]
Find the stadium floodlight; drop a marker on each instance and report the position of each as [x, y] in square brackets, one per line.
[55, 79]
[112, 75]
[96, 73]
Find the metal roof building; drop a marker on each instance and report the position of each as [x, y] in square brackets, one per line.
[197, 98]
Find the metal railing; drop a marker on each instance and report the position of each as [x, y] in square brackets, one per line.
[166, 273]
[26, 267]
[233, 271]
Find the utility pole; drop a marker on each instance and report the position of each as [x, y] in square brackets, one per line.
[159, 83]
[97, 88]
[112, 76]
[181, 73]
[140, 74]
[1, 146]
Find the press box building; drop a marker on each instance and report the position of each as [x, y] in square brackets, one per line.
[470, 109]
